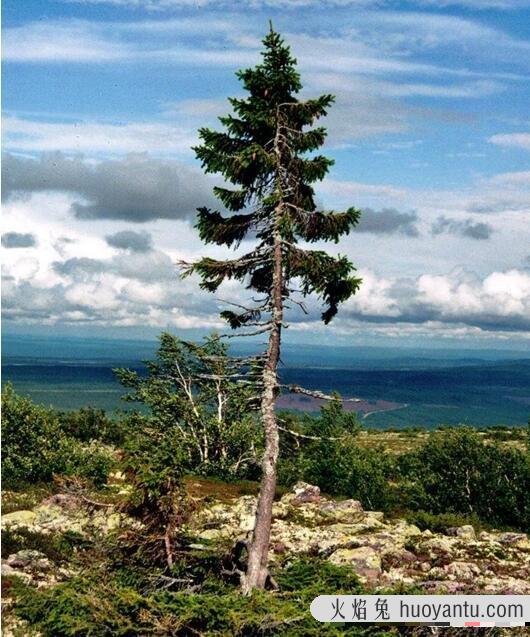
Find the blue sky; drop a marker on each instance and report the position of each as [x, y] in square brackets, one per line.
[430, 133]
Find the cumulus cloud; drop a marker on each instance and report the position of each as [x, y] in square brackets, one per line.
[137, 188]
[19, 240]
[143, 288]
[125, 289]
[388, 221]
[149, 267]
[130, 240]
[498, 301]
[463, 227]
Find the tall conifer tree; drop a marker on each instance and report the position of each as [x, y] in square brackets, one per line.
[266, 152]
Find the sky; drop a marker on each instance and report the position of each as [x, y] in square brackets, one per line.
[430, 134]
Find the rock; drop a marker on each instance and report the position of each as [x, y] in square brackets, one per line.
[28, 559]
[384, 552]
[466, 532]
[9, 571]
[25, 558]
[461, 570]
[397, 558]
[51, 517]
[517, 540]
[63, 500]
[407, 530]
[304, 492]
[107, 521]
[19, 518]
[362, 557]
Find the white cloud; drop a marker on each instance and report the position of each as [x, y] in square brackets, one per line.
[514, 140]
[500, 299]
[352, 189]
[518, 178]
[166, 5]
[97, 137]
[72, 41]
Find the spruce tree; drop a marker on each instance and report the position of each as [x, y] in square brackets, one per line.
[266, 151]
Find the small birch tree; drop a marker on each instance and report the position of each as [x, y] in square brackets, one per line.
[265, 152]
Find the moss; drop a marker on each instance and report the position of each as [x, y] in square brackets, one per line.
[58, 547]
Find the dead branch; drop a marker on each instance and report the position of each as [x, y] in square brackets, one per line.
[296, 389]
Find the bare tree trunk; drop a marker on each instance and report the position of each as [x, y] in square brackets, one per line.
[257, 569]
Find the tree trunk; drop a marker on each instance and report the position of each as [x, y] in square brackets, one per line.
[257, 569]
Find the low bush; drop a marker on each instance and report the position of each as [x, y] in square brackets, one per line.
[35, 446]
[87, 424]
[101, 605]
[455, 471]
[440, 522]
[32, 440]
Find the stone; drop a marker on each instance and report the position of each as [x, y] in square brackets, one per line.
[31, 560]
[19, 518]
[304, 492]
[384, 552]
[461, 570]
[63, 500]
[397, 558]
[375, 515]
[517, 540]
[9, 571]
[465, 532]
[362, 557]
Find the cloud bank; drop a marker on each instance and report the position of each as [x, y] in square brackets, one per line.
[18, 240]
[136, 189]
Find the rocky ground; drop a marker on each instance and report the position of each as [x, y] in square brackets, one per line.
[385, 553]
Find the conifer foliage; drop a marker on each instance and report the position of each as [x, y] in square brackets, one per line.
[266, 153]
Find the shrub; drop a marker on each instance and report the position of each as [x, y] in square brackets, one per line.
[35, 446]
[32, 440]
[93, 462]
[154, 460]
[102, 605]
[456, 471]
[327, 454]
[88, 424]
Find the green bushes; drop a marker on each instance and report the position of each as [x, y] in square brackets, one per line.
[31, 440]
[35, 446]
[101, 604]
[455, 471]
[87, 424]
[323, 450]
